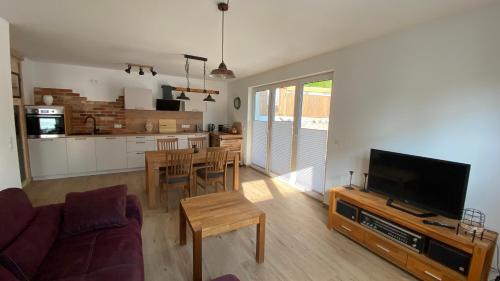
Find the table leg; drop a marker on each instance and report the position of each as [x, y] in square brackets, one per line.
[151, 187]
[197, 254]
[261, 239]
[182, 226]
[236, 172]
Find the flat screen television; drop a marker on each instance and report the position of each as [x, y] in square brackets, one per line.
[435, 185]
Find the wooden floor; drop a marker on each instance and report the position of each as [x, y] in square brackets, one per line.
[298, 244]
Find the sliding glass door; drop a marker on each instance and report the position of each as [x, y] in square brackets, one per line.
[260, 130]
[290, 130]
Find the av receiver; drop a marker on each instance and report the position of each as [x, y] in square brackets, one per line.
[396, 233]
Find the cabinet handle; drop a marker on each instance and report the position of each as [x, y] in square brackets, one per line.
[108, 138]
[139, 142]
[80, 138]
[383, 248]
[346, 228]
[140, 137]
[46, 139]
[139, 153]
[433, 275]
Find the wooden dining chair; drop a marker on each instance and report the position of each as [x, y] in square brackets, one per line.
[179, 166]
[200, 142]
[167, 144]
[214, 171]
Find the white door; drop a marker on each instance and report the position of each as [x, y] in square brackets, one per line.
[260, 128]
[282, 137]
[312, 133]
[81, 155]
[111, 153]
[48, 157]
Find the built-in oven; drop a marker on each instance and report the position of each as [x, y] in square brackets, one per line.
[45, 121]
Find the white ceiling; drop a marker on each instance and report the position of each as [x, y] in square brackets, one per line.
[260, 34]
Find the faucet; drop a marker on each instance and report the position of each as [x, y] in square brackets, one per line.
[95, 127]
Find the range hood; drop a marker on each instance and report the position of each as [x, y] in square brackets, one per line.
[168, 102]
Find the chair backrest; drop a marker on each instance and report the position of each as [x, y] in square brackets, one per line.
[167, 144]
[179, 162]
[200, 142]
[216, 159]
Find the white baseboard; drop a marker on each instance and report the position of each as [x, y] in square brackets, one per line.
[86, 174]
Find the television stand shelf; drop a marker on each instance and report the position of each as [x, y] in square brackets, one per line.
[479, 252]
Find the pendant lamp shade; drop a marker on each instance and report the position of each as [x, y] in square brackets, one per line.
[183, 96]
[209, 98]
[222, 72]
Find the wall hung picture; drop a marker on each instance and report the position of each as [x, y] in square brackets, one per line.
[16, 85]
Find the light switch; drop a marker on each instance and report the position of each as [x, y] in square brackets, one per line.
[185, 126]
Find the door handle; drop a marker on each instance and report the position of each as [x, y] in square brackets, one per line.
[383, 248]
[433, 275]
[346, 228]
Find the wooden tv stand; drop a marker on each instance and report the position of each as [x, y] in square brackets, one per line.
[418, 264]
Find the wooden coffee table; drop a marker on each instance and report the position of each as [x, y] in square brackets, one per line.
[218, 213]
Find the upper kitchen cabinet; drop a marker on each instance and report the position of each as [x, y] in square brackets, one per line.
[138, 98]
[196, 103]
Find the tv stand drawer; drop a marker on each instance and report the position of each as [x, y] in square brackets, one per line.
[386, 249]
[428, 272]
[348, 228]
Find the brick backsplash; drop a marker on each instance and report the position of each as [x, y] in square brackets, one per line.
[109, 113]
[106, 113]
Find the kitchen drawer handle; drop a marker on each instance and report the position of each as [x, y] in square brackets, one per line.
[433, 275]
[108, 138]
[46, 139]
[383, 248]
[140, 137]
[139, 153]
[346, 228]
[80, 138]
[139, 142]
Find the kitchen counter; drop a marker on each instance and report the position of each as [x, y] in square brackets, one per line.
[132, 134]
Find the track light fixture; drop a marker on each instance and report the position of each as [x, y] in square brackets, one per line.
[141, 68]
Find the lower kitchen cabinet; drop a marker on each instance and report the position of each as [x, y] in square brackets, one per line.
[111, 153]
[81, 155]
[48, 157]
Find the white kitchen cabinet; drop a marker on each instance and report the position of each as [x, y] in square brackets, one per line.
[48, 157]
[136, 146]
[135, 160]
[138, 98]
[111, 153]
[81, 155]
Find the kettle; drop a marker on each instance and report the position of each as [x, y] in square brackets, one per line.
[211, 127]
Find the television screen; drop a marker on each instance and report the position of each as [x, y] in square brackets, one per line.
[435, 185]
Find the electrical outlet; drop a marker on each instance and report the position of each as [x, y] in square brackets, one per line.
[117, 126]
[185, 126]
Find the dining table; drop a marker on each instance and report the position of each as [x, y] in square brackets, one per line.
[157, 159]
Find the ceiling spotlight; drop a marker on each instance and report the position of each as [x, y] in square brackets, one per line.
[153, 72]
[128, 69]
[141, 72]
[183, 96]
[209, 98]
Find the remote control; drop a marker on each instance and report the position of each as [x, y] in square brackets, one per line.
[436, 223]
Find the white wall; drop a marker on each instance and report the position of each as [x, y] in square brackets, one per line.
[100, 84]
[432, 90]
[9, 164]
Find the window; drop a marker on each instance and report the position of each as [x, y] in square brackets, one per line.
[284, 102]
[316, 105]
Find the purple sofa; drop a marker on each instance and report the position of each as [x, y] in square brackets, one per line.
[33, 247]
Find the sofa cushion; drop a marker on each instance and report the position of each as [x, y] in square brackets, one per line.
[96, 209]
[6, 275]
[23, 256]
[106, 254]
[16, 212]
